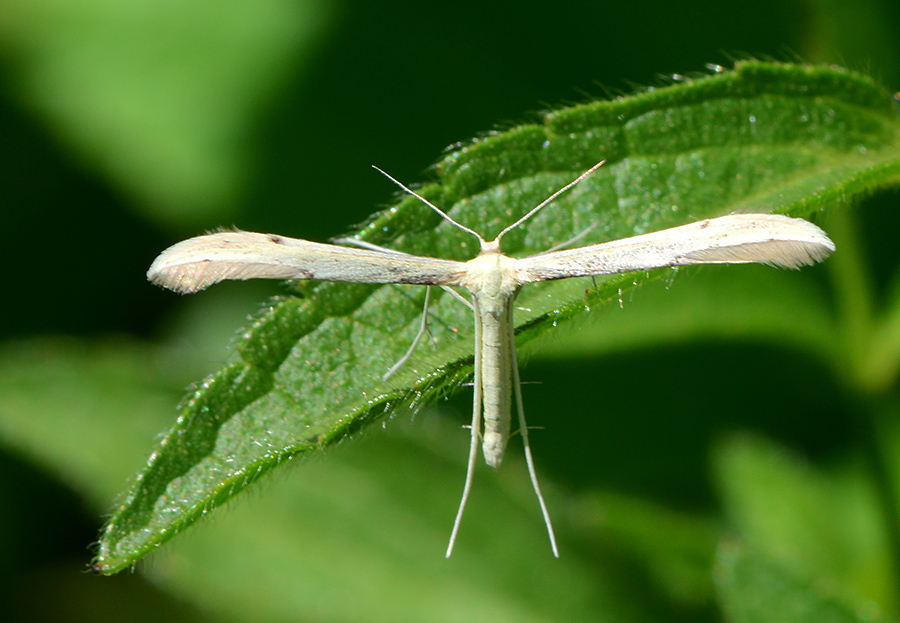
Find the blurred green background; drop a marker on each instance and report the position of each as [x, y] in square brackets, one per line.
[128, 126]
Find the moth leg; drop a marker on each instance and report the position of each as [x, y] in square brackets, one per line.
[423, 328]
[475, 439]
[523, 429]
[367, 245]
[459, 297]
[570, 241]
[412, 347]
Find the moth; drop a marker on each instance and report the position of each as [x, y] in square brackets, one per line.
[493, 280]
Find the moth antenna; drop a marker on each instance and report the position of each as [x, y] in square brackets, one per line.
[429, 204]
[549, 199]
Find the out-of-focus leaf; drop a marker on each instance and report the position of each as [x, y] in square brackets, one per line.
[754, 589]
[159, 94]
[676, 549]
[85, 410]
[826, 527]
[855, 33]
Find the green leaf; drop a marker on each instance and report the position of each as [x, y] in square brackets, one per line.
[84, 410]
[676, 550]
[764, 137]
[156, 94]
[753, 589]
[827, 526]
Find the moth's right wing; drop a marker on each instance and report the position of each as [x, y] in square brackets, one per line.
[734, 239]
[197, 263]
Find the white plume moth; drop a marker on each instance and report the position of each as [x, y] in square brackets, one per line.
[493, 280]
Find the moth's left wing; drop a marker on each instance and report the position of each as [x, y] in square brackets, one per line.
[197, 263]
[734, 239]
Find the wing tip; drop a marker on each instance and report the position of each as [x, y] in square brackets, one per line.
[775, 240]
[185, 267]
[183, 279]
